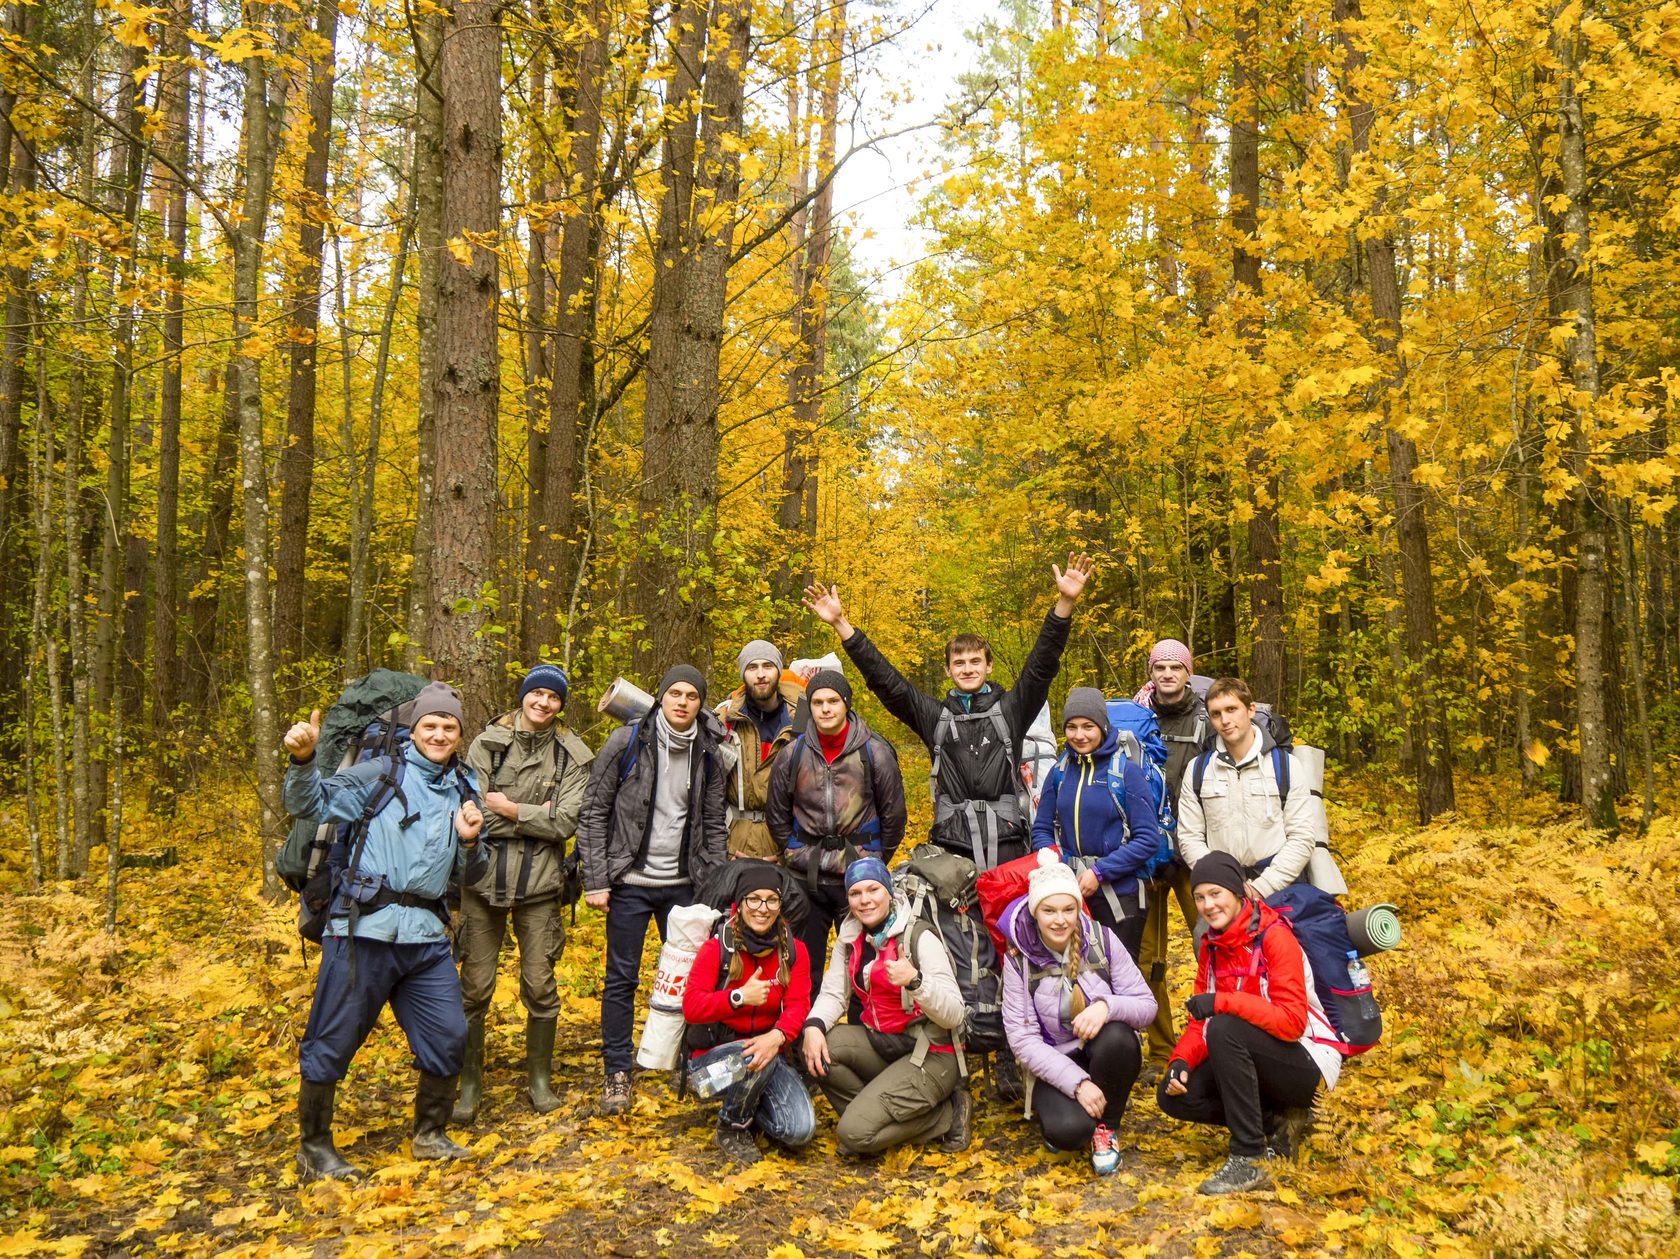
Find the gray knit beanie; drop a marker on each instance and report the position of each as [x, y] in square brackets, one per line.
[758, 649]
[1086, 702]
[436, 699]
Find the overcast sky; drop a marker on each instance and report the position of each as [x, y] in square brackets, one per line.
[908, 83]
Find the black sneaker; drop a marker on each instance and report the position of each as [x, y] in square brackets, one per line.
[1006, 1078]
[737, 1144]
[961, 1131]
[1286, 1132]
[1239, 1175]
[615, 1093]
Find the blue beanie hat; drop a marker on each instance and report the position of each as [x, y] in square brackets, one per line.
[867, 869]
[547, 677]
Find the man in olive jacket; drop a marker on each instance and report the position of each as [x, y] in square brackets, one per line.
[534, 770]
[652, 828]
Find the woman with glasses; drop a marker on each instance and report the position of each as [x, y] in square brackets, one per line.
[746, 999]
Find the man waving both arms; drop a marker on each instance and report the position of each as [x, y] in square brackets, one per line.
[980, 805]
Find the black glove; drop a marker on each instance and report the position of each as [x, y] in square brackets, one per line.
[1176, 1070]
[1200, 1006]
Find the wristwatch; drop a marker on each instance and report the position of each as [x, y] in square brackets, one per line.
[915, 984]
[735, 999]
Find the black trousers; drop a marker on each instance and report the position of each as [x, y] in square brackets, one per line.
[1249, 1074]
[1128, 929]
[827, 908]
[1113, 1058]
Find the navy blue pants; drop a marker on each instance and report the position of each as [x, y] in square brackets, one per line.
[628, 912]
[417, 980]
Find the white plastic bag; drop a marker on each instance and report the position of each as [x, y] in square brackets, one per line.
[685, 931]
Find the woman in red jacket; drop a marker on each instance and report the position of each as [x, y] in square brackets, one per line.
[1258, 1042]
[747, 997]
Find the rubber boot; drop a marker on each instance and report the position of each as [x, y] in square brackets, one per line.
[317, 1157]
[539, 1064]
[472, 1075]
[432, 1100]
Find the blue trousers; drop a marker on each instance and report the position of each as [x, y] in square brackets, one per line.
[628, 912]
[419, 983]
[774, 1100]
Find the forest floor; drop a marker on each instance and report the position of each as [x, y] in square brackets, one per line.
[1524, 1100]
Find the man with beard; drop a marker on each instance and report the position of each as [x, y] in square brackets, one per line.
[759, 716]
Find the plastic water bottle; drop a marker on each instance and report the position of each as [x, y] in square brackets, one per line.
[719, 1075]
[1359, 980]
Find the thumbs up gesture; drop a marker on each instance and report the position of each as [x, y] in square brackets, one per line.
[301, 739]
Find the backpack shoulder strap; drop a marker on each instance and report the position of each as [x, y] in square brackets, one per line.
[627, 758]
[1280, 769]
[942, 730]
[1198, 772]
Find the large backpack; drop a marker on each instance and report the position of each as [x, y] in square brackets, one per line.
[1319, 925]
[983, 820]
[939, 886]
[322, 860]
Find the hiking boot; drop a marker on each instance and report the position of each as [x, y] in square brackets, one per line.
[1239, 1175]
[961, 1131]
[1104, 1156]
[1286, 1133]
[317, 1157]
[615, 1093]
[1006, 1077]
[433, 1097]
[539, 1065]
[472, 1075]
[737, 1144]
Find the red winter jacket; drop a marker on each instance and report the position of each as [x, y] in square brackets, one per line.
[1269, 991]
[705, 1001]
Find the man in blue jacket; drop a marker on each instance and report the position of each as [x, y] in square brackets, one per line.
[387, 937]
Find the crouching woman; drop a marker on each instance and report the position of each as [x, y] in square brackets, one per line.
[1258, 1043]
[891, 1072]
[1073, 1001]
[747, 996]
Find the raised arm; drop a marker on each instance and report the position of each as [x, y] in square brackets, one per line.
[900, 697]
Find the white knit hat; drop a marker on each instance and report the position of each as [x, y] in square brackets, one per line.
[1054, 877]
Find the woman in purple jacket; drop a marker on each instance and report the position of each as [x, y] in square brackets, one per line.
[1073, 1002]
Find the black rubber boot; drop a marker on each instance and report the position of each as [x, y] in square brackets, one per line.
[432, 1100]
[539, 1065]
[472, 1075]
[317, 1157]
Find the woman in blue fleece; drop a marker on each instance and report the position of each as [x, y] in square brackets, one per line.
[1097, 808]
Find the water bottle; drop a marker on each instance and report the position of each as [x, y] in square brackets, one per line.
[1362, 1020]
[719, 1075]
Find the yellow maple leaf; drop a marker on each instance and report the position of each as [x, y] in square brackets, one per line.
[461, 250]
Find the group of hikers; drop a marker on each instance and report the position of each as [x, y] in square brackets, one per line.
[786, 788]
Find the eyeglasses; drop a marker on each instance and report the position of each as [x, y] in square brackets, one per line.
[763, 902]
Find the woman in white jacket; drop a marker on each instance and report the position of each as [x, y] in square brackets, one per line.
[1231, 802]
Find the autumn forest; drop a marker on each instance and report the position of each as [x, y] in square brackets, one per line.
[460, 336]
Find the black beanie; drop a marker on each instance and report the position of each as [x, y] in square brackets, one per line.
[830, 680]
[682, 673]
[1222, 870]
[758, 877]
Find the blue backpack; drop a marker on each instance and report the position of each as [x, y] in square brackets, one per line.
[1320, 927]
[1140, 743]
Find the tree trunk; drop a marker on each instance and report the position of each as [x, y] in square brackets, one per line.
[259, 641]
[571, 397]
[297, 457]
[535, 629]
[362, 505]
[468, 383]
[175, 90]
[694, 242]
[1575, 290]
[428, 234]
[813, 247]
[1266, 673]
[1424, 705]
